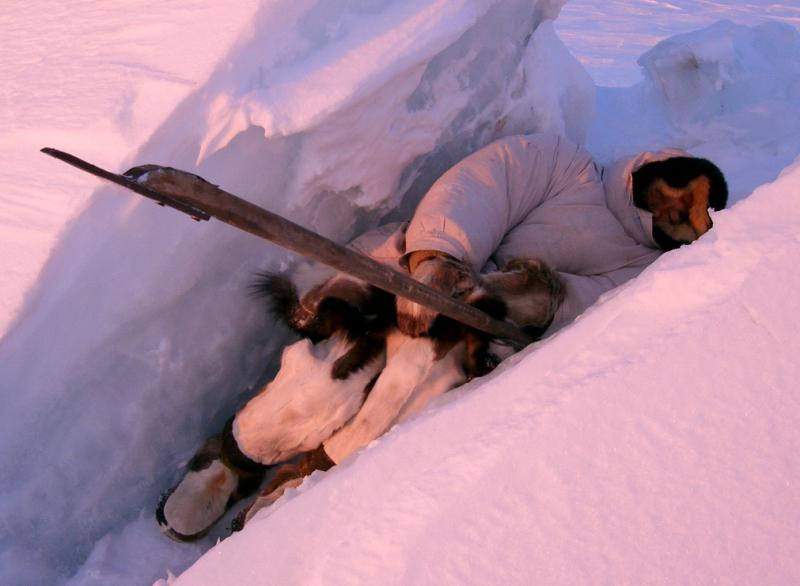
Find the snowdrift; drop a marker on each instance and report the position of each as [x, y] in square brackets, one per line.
[140, 338]
[727, 92]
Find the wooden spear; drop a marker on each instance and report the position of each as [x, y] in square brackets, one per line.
[202, 200]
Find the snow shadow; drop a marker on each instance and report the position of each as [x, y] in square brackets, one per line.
[140, 337]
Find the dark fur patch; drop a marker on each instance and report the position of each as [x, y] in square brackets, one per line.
[370, 385]
[309, 462]
[235, 459]
[493, 306]
[536, 332]
[280, 290]
[446, 333]
[479, 361]
[664, 240]
[678, 172]
[363, 313]
[338, 305]
[218, 448]
[208, 453]
[334, 315]
[364, 350]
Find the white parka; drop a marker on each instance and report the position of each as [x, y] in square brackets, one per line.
[538, 196]
[523, 196]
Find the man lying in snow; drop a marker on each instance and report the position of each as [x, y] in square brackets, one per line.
[537, 197]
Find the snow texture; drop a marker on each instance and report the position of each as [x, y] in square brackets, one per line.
[139, 337]
[654, 441]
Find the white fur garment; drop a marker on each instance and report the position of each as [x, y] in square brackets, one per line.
[411, 378]
[303, 405]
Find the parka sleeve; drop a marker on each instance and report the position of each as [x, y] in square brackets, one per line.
[469, 210]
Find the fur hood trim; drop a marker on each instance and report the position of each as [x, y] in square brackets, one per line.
[618, 183]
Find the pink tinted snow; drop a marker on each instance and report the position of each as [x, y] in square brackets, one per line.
[592, 463]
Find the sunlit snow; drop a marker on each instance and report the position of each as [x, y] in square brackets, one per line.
[653, 441]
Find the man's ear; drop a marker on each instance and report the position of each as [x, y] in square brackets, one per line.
[699, 219]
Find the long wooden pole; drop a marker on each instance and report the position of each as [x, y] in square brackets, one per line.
[200, 199]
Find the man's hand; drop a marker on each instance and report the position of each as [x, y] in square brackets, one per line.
[439, 271]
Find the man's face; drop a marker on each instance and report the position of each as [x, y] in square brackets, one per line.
[680, 215]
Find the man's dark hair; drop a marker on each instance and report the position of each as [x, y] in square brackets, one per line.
[677, 172]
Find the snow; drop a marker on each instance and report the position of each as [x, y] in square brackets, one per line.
[608, 37]
[91, 78]
[652, 441]
[727, 92]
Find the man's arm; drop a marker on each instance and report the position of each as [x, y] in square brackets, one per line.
[466, 214]
[469, 210]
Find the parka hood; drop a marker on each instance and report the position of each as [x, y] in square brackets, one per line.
[618, 184]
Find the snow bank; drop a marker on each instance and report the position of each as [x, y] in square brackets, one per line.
[95, 78]
[727, 92]
[607, 37]
[140, 339]
[653, 442]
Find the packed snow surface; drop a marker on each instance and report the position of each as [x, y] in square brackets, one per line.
[652, 441]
